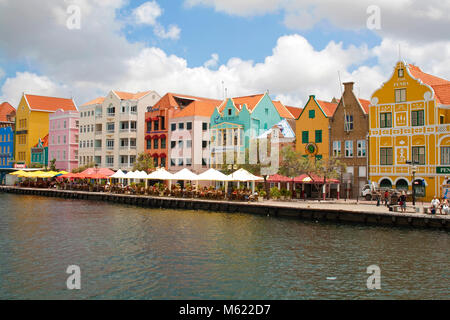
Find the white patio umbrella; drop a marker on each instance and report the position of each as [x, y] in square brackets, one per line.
[118, 175]
[214, 175]
[243, 175]
[185, 175]
[161, 174]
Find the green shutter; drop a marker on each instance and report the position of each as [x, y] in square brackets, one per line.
[318, 136]
[305, 137]
[312, 114]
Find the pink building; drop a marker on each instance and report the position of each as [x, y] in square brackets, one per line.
[63, 139]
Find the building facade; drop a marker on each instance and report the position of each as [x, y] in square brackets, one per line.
[112, 129]
[237, 122]
[349, 139]
[63, 139]
[32, 122]
[410, 122]
[157, 126]
[6, 147]
[313, 129]
[39, 153]
[189, 136]
[7, 115]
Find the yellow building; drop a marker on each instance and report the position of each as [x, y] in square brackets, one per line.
[312, 128]
[32, 122]
[409, 120]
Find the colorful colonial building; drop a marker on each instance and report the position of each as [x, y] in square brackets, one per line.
[7, 121]
[39, 153]
[157, 126]
[63, 139]
[237, 121]
[32, 122]
[410, 122]
[349, 131]
[112, 129]
[313, 128]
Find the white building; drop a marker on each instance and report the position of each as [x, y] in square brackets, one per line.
[112, 129]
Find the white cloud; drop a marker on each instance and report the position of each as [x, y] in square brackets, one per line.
[147, 13]
[213, 62]
[172, 33]
[418, 20]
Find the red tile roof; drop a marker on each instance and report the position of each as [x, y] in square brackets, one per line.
[365, 104]
[440, 86]
[250, 101]
[295, 111]
[6, 109]
[328, 107]
[49, 104]
[198, 108]
[130, 96]
[282, 110]
[169, 101]
[44, 142]
[95, 101]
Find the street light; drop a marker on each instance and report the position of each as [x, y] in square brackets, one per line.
[414, 168]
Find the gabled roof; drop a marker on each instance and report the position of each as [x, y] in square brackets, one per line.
[440, 86]
[365, 104]
[198, 108]
[130, 96]
[282, 110]
[327, 107]
[295, 111]
[98, 100]
[44, 142]
[250, 101]
[169, 100]
[49, 104]
[6, 109]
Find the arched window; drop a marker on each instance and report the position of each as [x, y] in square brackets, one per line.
[385, 183]
[402, 184]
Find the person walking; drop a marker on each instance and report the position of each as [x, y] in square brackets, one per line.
[378, 198]
[403, 202]
[386, 198]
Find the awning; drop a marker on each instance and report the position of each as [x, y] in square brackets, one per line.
[278, 178]
[304, 178]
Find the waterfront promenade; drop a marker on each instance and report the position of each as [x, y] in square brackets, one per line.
[349, 211]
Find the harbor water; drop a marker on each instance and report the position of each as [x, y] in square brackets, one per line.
[129, 252]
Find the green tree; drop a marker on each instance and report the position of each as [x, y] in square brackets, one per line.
[144, 162]
[52, 165]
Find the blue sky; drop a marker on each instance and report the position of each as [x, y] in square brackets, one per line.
[293, 48]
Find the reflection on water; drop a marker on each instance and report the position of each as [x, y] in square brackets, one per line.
[126, 252]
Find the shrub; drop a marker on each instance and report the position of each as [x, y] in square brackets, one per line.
[275, 192]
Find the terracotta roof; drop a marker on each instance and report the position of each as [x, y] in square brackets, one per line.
[328, 107]
[250, 101]
[365, 104]
[169, 101]
[44, 142]
[198, 108]
[295, 111]
[282, 110]
[130, 96]
[95, 101]
[6, 109]
[440, 86]
[50, 104]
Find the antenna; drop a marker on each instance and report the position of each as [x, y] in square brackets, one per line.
[226, 93]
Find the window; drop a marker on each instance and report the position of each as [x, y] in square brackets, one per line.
[110, 127]
[441, 119]
[386, 156]
[312, 114]
[163, 162]
[336, 148]
[133, 109]
[204, 126]
[348, 148]
[163, 143]
[111, 110]
[172, 162]
[305, 136]
[361, 148]
[110, 144]
[181, 126]
[155, 143]
[173, 127]
[400, 95]
[149, 144]
[204, 144]
[173, 144]
[156, 125]
[348, 122]
[188, 144]
[386, 120]
[418, 155]
[266, 111]
[189, 125]
[401, 73]
[180, 162]
[110, 160]
[133, 125]
[64, 139]
[417, 118]
[65, 124]
[229, 112]
[188, 162]
[318, 136]
[445, 155]
[180, 144]
[163, 123]
[124, 160]
[64, 155]
[149, 126]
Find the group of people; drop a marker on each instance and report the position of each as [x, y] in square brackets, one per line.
[442, 205]
[387, 198]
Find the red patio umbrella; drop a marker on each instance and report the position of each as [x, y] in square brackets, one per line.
[96, 176]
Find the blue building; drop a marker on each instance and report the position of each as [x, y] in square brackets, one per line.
[6, 147]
